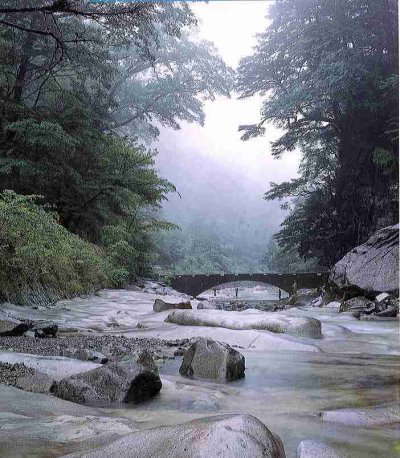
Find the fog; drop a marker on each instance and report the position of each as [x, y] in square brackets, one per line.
[220, 178]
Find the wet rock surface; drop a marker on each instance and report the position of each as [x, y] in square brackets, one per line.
[250, 319]
[160, 305]
[133, 379]
[228, 436]
[33, 424]
[365, 417]
[316, 449]
[36, 382]
[208, 359]
[372, 266]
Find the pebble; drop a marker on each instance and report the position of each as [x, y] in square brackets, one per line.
[10, 373]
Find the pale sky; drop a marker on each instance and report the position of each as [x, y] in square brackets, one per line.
[232, 26]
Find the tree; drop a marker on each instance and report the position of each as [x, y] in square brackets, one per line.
[277, 259]
[328, 69]
[169, 87]
[83, 86]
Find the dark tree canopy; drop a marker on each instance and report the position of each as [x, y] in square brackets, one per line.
[83, 88]
[328, 70]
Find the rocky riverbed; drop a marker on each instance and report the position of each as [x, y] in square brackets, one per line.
[339, 388]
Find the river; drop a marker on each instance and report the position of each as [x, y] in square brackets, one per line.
[289, 381]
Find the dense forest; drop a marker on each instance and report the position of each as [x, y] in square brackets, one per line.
[329, 72]
[83, 88]
[86, 88]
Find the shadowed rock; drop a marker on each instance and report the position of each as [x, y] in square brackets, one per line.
[36, 383]
[12, 327]
[134, 379]
[212, 360]
[44, 329]
[225, 436]
[161, 306]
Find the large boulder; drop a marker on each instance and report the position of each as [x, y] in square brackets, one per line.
[372, 266]
[34, 424]
[160, 305]
[132, 379]
[249, 319]
[385, 414]
[37, 383]
[206, 358]
[225, 436]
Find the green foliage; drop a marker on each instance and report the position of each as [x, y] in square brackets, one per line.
[277, 259]
[79, 100]
[330, 71]
[40, 261]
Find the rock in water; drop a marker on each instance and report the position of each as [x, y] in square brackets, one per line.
[37, 383]
[356, 304]
[11, 327]
[44, 329]
[385, 414]
[133, 379]
[205, 305]
[381, 297]
[316, 449]
[371, 267]
[225, 436]
[249, 319]
[86, 354]
[206, 358]
[161, 306]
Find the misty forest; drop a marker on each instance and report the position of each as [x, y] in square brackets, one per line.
[199, 228]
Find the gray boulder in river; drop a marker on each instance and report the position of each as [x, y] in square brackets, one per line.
[160, 305]
[133, 379]
[206, 358]
[225, 436]
[371, 267]
[249, 319]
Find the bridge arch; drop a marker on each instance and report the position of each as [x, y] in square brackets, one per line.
[193, 285]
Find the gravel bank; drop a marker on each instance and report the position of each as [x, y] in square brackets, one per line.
[111, 346]
[9, 373]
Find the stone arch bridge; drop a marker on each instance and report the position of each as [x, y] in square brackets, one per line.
[193, 285]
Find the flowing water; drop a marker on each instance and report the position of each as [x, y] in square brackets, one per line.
[355, 365]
